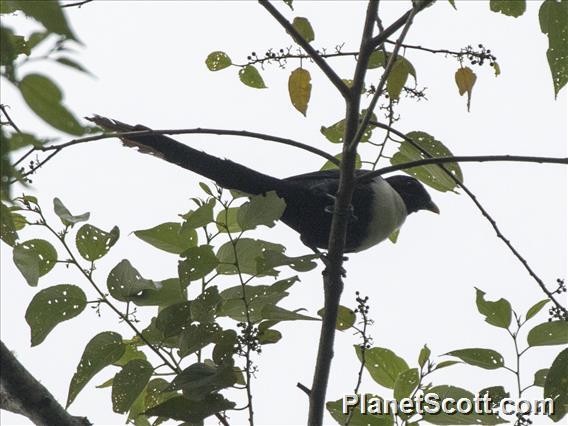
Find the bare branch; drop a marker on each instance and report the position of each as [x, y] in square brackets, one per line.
[464, 159]
[21, 392]
[76, 4]
[316, 57]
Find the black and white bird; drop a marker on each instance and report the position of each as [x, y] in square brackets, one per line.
[380, 206]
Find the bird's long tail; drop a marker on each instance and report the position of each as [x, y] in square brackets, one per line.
[226, 173]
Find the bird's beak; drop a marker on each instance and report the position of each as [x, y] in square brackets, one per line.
[433, 207]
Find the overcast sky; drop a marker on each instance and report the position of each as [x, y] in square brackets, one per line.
[148, 59]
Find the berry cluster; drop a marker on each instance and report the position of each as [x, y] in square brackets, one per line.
[478, 57]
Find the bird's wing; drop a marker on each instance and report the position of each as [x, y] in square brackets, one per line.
[226, 173]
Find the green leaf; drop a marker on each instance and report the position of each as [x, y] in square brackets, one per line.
[300, 89]
[431, 174]
[71, 63]
[180, 408]
[174, 319]
[359, 417]
[217, 61]
[393, 237]
[276, 313]
[103, 349]
[497, 313]
[197, 263]
[131, 352]
[165, 293]
[125, 283]
[11, 46]
[129, 383]
[274, 257]
[345, 318]
[247, 252]
[445, 364]
[556, 385]
[540, 377]
[397, 77]
[250, 76]
[457, 418]
[93, 243]
[8, 231]
[269, 336]
[34, 259]
[553, 17]
[262, 209]
[383, 365]
[453, 3]
[200, 217]
[48, 13]
[405, 383]
[197, 336]
[169, 237]
[535, 309]
[330, 166]
[376, 60]
[304, 28]
[66, 217]
[44, 98]
[289, 4]
[225, 347]
[495, 393]
[334, 133]
[156, 394]
[514, 8]
[424, 356]
[226, 220]
[23, 140]
[52, 306]
[204, 307]
[484, 358]
[549, 333]
[199, 380]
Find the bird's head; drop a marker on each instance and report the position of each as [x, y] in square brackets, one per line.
[413, 194]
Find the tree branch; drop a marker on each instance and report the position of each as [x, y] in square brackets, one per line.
[316, 57]
[333, 284]
[20, 392]
[464, 159]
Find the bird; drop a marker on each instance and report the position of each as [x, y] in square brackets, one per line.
[379, 206]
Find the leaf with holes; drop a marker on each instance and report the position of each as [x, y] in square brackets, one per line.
[360, 414]
[52, 306]
[197, 336]
[8, 231]
[93, 243]
[495, 393]
[262, 209]
[548, 334]
[169, 237]
[554, 23]
[66, 217]
[197, 263]
[509, 8]
[125, 283]
[479, 357]
[300, 89]
[200, 217]
[103, 349]
[497, 313]
[345, 318]
[454, 394]
[432, 175]
[217, 61]
[383, 365]
[129, 383]
[174, 319]
[183, 409]
[405, 383]
[34, 259]
[204, 306]
[226, 220]
[45, 99]
[250, 76]
[540, 377]
[165, 293]
[200, 380]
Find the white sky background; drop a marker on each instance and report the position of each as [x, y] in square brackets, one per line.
[148, 58]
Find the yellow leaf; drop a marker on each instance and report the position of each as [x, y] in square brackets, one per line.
[497, 68]
[300, 89]
[465, 79]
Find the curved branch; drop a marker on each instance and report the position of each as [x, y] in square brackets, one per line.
[316, 57]
[464, 159]
[20, 392]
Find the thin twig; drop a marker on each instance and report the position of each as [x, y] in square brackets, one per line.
[464, 159]
[77, 4]
[10, 121]
[316, 57]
